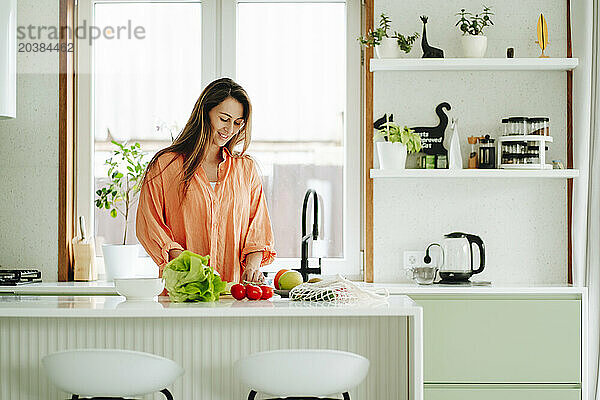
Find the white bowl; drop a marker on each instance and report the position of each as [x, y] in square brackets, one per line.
[139, 288]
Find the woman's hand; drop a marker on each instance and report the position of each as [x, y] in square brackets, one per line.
[174, 253]
[252, 271]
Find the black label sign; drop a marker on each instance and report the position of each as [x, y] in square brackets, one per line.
[432, 138]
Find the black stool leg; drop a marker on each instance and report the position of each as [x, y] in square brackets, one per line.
[167, 394]
[346, 396]
[252, 395]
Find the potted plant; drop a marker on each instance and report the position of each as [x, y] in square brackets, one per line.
[125, 173]
[397, 143]
[474, 42]
[388, 46]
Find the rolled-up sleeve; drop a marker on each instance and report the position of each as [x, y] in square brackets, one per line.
[260, 234]
[151, 230]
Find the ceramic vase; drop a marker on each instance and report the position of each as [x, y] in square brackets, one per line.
[474, 46]
[391, 155]
[120, 260]
[388, 48]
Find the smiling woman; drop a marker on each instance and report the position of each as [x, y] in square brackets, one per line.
[199, 194]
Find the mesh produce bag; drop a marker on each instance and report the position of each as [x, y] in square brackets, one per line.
[338, 290]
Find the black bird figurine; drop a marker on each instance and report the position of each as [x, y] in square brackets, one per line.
[428, 51]
[432, 137]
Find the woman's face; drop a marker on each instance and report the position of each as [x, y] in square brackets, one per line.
[226, 120]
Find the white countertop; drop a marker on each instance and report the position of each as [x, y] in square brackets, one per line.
[498, 289]
[69, 288]
[108, 288]
[117, 306]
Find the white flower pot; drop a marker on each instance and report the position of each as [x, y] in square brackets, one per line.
[474, 46]
[391, 155]
[120, 260]
[388, 48]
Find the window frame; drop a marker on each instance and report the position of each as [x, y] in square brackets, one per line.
[219, 59]
[84, 147]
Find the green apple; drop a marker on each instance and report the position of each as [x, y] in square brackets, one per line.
[289, 280]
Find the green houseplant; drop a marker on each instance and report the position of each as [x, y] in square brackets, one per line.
[397, 144]
[118, 196]
[474, 42]
[387, 46]
[405, 42]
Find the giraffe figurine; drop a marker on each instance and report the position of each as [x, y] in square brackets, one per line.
[429, 51]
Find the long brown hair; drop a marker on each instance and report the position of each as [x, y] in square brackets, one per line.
[192, 142]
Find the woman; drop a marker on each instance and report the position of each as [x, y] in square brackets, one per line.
[200, 195]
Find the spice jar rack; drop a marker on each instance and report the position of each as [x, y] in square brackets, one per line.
[523, 152]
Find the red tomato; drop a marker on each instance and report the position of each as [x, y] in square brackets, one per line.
[253, 292]
[267, 292]
[238, 291]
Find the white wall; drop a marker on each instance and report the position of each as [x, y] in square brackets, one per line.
[523, 222]
[29, 156]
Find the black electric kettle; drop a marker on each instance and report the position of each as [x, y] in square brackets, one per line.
[457, 248]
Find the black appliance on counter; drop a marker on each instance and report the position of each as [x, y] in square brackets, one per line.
[14, 277]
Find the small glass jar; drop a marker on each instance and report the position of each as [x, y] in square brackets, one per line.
[506, 150]
[424, 275]
[487, 153]
[539, 126]
[533, 152]
[505, 127]
[518, 126]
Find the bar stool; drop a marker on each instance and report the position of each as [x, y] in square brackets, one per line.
[302, 374]
[108, 373]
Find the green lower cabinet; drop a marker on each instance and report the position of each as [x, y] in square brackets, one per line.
[479, 393]
[506, 341]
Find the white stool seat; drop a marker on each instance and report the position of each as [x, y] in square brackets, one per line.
[110, 373]
[315, 373]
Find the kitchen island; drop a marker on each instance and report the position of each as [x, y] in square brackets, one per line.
[207, 338]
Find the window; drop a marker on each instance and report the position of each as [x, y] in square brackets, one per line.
[291, 57]
[297, 81]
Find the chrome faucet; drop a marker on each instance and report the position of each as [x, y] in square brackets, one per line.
[304, 270]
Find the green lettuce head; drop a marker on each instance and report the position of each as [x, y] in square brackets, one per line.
[189, 278]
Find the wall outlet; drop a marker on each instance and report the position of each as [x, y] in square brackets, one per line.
[413, 259]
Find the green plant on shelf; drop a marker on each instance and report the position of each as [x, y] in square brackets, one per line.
[374, 37]
[405, 42]
[393, 133]
[470, 24]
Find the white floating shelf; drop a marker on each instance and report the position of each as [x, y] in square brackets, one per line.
[473, 173]
[526, 138]
[473, 64]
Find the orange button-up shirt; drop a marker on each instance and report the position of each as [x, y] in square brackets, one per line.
[226, 223]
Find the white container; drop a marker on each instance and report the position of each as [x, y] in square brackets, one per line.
[139, 288]
[391, 155]
[120, 260]
[474, 46]
[8, 59]
[505, 143]
[388, 48]
[455, 155]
